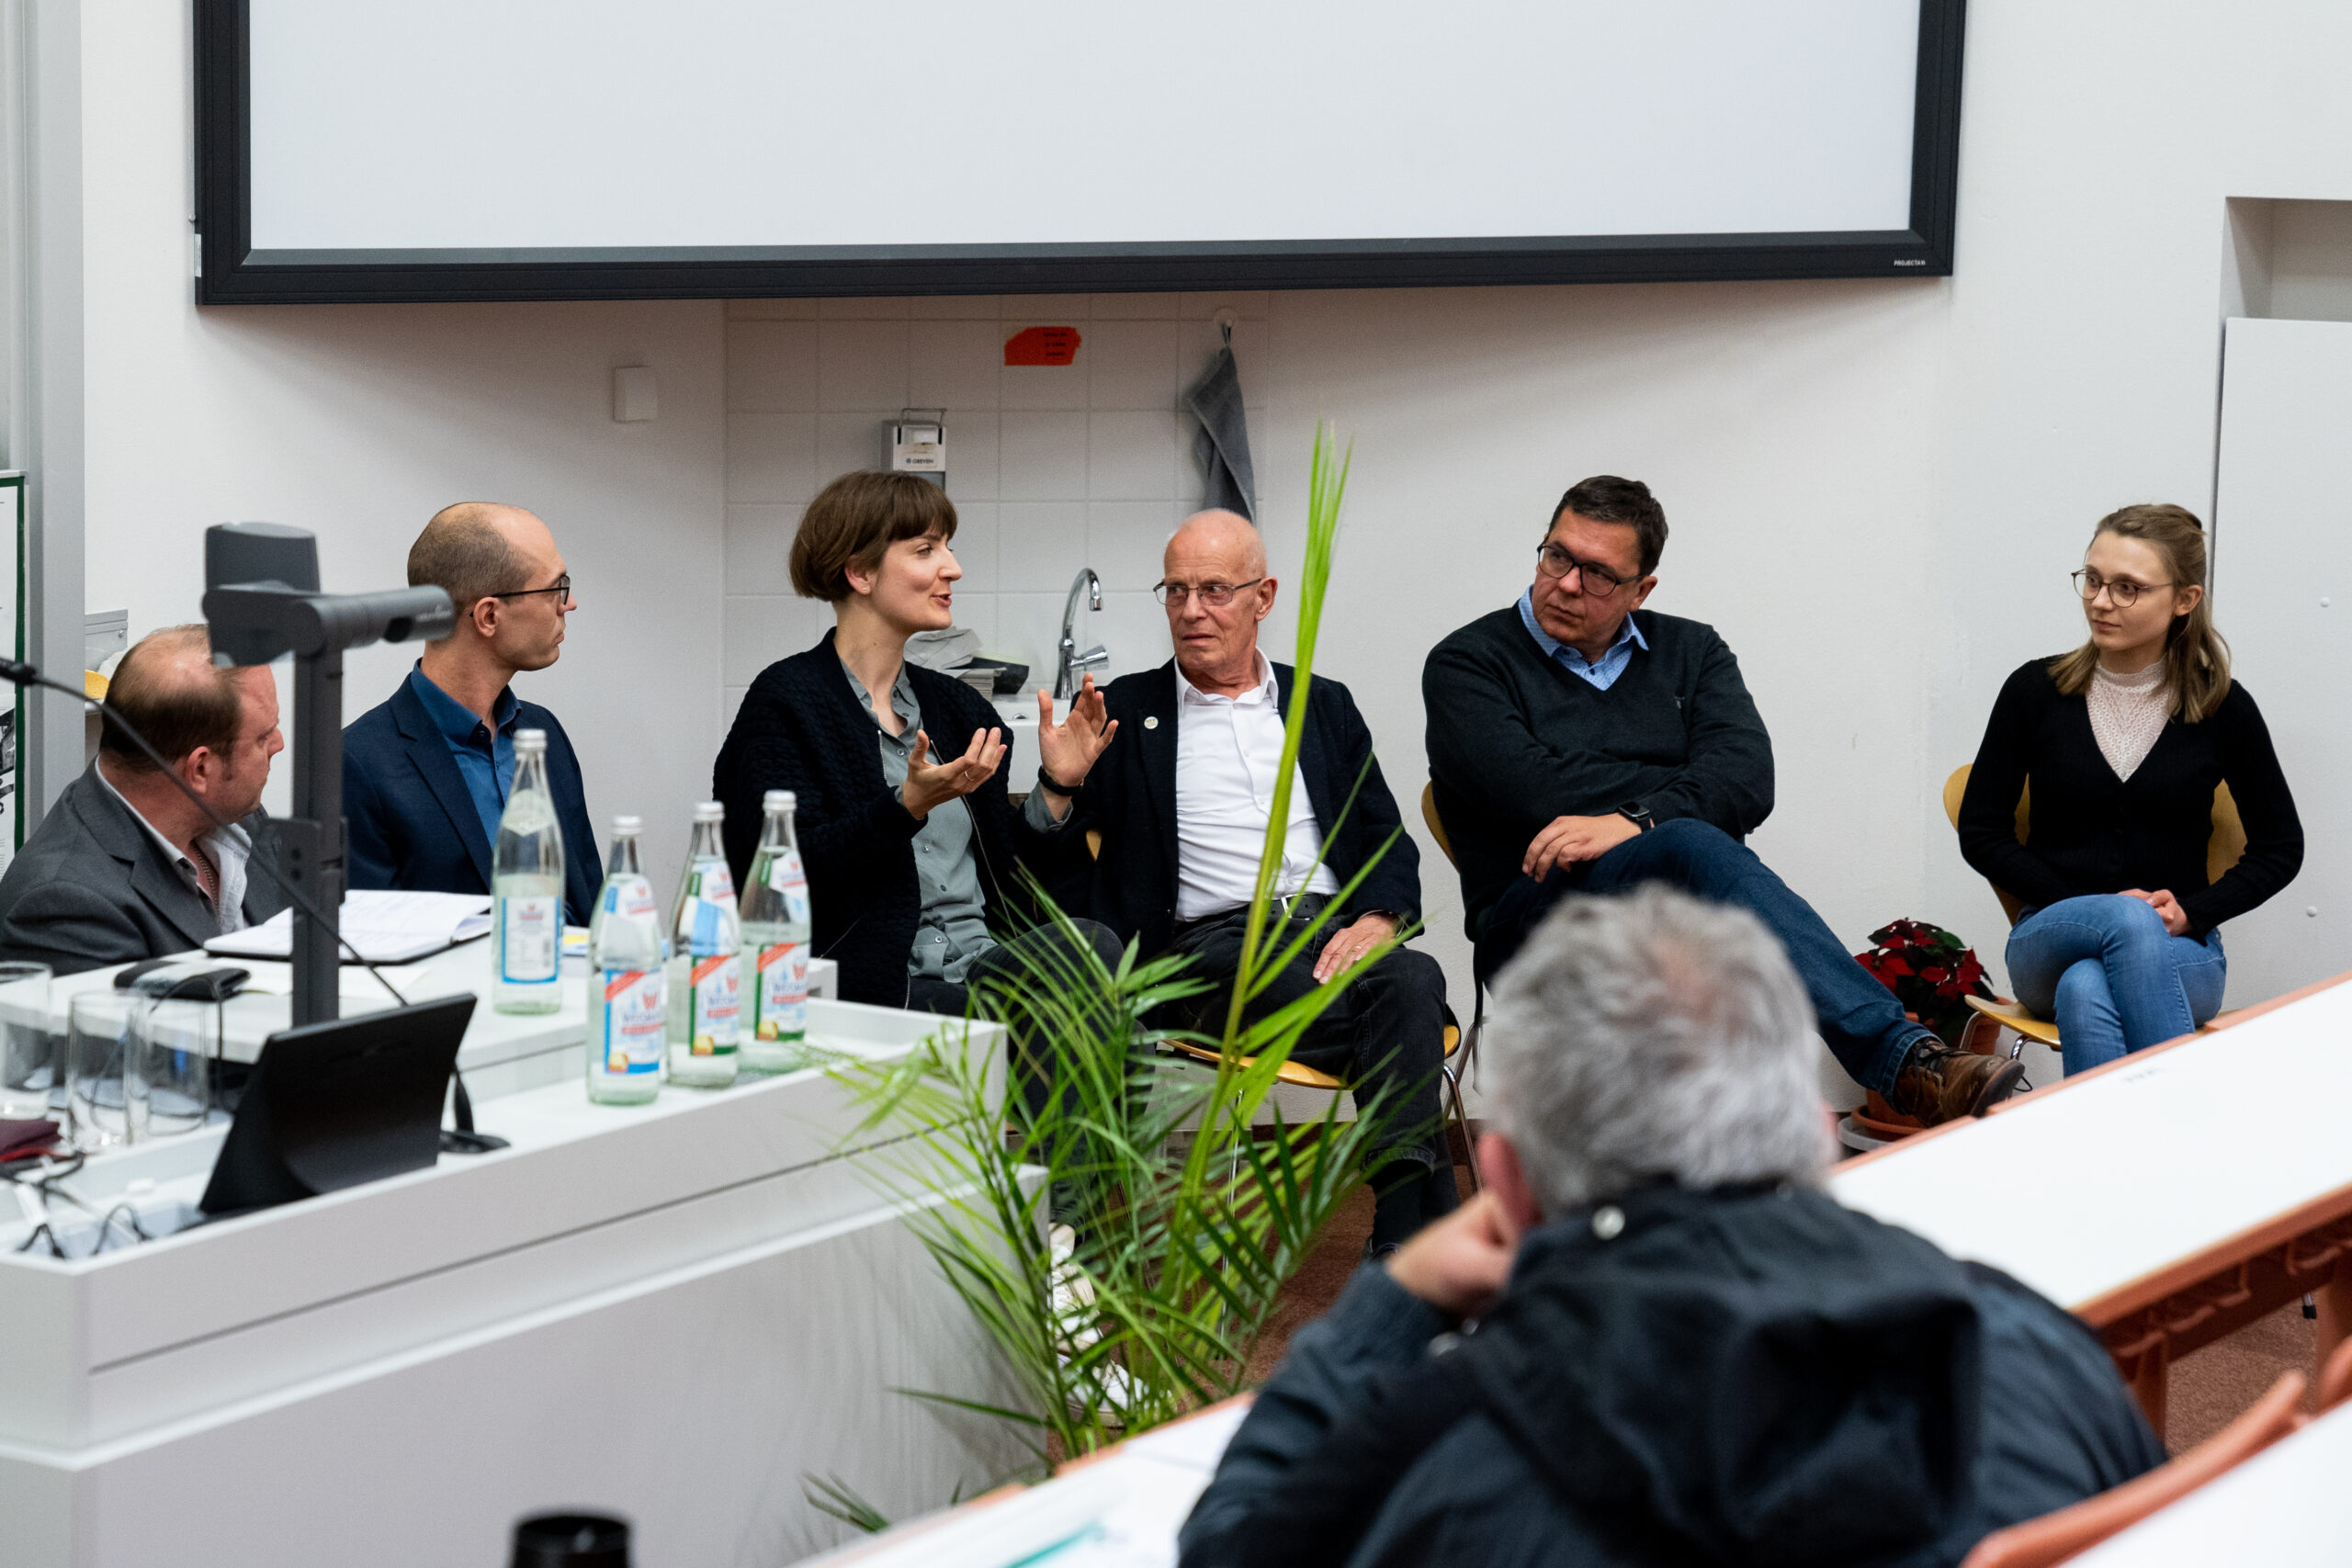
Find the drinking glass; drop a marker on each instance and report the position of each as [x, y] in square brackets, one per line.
[106, 1085]
[179, 1041]
[28, 1050]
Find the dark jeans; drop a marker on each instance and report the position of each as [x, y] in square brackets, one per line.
[1858, 1017]
[1385, 1032]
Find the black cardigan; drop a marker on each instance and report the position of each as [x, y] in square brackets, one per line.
[1131, 797]
[2093, 832]
[1515, 740]
[802, 727]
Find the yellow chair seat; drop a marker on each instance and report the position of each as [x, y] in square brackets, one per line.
[1298, 1074]
[2013, 1015]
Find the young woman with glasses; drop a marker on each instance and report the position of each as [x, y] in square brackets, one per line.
[2124, 741]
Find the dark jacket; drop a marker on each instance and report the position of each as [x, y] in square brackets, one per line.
[802, 729]
[1131, 797]
[2096, 833]
[1744, 1376]
[1515, 740]
[90, 887]
[413, 825]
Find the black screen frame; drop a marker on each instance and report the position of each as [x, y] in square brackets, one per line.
[232, 273]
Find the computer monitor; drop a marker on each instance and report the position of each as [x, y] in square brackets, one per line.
[333, 1105]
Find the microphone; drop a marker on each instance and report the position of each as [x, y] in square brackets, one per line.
[464, 1139]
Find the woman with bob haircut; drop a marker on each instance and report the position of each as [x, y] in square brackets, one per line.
[2125, 740]
[908, 836]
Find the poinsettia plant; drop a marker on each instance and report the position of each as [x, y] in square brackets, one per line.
[1930, 970]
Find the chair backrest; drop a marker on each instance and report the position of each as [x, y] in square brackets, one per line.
[1437, 827]
[2335, 1377]
[2224, 846]
[2078, 1526]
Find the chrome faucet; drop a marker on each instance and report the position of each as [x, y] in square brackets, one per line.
[1071, 664]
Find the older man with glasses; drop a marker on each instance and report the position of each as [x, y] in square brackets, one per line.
[1580, 742]
[427, 772]
[1183, 800]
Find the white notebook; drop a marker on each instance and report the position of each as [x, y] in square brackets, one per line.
[386, 928]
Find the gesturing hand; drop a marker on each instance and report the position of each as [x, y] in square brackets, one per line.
[1460, 1264]
[929, 786]
[1339, 954]
[1566, 840]
[1068, 749]
[2166, 907]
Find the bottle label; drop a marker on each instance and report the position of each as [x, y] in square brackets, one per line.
[717, 1004]
[787, 878]
[713, 883]
[630, 900]
[530, 941]
[780, 1001]
[635, 1016]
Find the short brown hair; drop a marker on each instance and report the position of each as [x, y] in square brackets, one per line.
[462, 553]
[857, 517]
[1605, 497]
[175, 711]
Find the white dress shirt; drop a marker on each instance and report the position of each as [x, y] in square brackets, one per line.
[231, 847]
[1227, 750]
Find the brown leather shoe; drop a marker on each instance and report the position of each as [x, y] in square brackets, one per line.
[1937, 1083]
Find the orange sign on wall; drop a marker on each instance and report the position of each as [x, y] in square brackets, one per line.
[1041, 345]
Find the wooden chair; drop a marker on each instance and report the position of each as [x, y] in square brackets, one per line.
[1478, 976]
[2055, 1537]
[2222, 850]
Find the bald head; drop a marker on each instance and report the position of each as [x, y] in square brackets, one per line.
[1225, 538]
[476, 548]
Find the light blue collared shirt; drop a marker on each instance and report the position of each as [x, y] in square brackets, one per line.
[1603, 672]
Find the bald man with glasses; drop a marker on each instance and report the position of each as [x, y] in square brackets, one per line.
[427, 772]
[1183, 799]
[1580, 743]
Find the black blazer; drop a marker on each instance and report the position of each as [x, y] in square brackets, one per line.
[1131, 798]
[91, 888]
[415, 828]
[2093, 832]
[802, 729]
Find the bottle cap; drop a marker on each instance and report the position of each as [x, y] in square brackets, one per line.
[628, 826]
[578, 1541]
[530, 740]
[710, 811]
[780, 800]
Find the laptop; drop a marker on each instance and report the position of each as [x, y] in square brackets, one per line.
[333, 1105]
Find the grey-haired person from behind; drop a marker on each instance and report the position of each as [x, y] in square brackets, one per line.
[1654, 1339]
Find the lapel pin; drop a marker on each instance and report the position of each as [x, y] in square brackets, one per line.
[1151, 721]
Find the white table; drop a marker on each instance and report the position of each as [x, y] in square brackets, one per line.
[673, 1311]
[502, 1053]
[2287, 1505]
[2167, 1199]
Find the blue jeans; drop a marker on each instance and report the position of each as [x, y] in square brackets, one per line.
[2104, 967]
[1860, 1018]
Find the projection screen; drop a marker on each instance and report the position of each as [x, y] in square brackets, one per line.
[568, 149]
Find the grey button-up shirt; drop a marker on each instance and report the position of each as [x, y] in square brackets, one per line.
[954, 930]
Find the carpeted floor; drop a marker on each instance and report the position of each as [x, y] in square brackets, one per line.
[2207, 1389]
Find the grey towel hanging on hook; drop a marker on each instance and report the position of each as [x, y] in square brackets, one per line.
[1223, 442]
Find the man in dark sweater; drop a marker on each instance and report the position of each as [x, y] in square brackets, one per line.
[1183, 799]
[1579, 741]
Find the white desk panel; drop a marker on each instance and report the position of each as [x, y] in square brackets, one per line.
[2287, 1505]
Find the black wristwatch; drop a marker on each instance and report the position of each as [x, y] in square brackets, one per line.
[1638, 814]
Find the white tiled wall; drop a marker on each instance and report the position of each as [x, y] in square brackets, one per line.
[1051, 468]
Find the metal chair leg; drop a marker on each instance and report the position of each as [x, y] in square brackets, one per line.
[1462, 1120]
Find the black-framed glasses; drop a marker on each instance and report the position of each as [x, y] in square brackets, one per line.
[1596, 582]
[2123, 590]
[560, 587]
[1215, 595]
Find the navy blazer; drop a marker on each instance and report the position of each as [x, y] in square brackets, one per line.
[413, 825]
[1131, 798]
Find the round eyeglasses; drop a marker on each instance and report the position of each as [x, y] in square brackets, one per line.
[2123, 590]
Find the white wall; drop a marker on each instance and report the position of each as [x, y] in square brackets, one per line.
[1876, 488]
[360, 421]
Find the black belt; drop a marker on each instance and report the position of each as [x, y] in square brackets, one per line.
[1295, 907]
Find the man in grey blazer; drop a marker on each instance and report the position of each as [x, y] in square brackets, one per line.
[124, 866]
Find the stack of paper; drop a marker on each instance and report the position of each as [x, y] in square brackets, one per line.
[386, 928]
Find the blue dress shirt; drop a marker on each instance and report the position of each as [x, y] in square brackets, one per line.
[485, 759]
[1603, 672]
